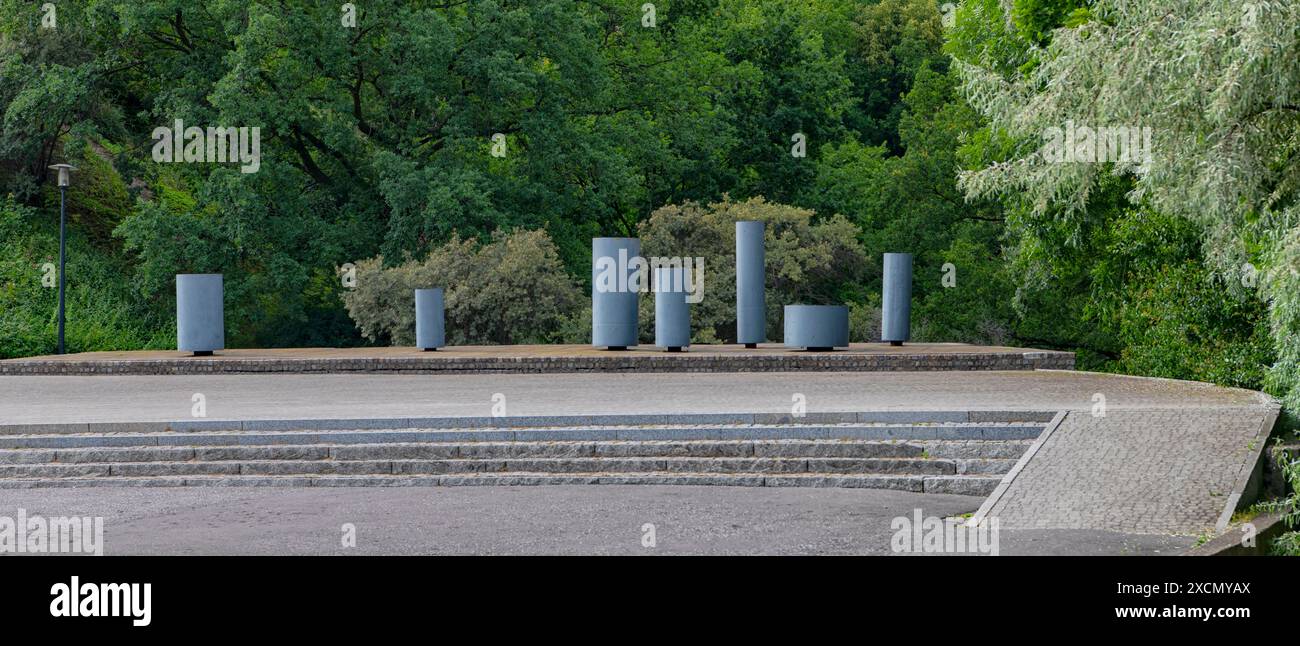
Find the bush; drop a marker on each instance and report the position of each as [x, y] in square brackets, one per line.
[511, 290]
[808, 261]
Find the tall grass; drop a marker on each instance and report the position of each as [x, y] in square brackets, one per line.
[104, 310]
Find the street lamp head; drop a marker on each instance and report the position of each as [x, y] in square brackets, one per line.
[64, 172]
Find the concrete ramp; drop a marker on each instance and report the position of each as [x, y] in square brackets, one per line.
[1156, 471]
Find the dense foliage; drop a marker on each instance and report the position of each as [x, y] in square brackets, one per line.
[428, 119]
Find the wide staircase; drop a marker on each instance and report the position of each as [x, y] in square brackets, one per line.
[937, 452]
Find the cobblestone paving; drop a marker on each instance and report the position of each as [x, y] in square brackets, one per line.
[1136, 471]
[606, 519]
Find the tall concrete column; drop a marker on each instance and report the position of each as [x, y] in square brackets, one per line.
[896, 299]
[613, 292]
[200, 313]
[430, 324]
[751, 307]
[672, 313]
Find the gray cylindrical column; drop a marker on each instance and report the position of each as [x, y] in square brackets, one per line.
[613, 292]
[896, 299]
[430, 331]
[672, 313]
[751, 308]
[200, 313]
[816, 327]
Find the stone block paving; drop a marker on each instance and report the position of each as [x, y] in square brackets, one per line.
[1169, 471]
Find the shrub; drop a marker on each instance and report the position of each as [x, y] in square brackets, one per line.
[512, 289]
[808, 260]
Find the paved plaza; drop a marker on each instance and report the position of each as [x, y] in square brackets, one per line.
[1167, 460]
[605, 520]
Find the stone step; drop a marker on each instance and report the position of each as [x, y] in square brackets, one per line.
[986, 449]
[824, 466]
[955, 484]
[536, 421]
[915, 432]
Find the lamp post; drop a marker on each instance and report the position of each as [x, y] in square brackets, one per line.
[65, 172]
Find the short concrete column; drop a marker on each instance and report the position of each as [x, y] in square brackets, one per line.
[751, 305]
[896, 299]
[430, 331]
[816, 327]
[672, 312]
[200, 313]
[614, 292]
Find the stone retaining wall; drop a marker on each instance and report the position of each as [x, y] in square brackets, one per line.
[791, 362]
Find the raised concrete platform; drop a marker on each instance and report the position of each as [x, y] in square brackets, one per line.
[158, 398]
[859, 357]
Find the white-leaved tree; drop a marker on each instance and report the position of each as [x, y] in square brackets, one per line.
[1216, 82]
